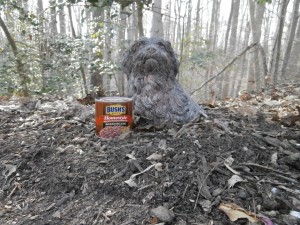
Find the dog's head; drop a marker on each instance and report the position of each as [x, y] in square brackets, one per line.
[149, 54]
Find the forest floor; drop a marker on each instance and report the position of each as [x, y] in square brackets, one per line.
[240, 164]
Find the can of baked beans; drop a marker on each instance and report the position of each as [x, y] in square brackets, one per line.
[114, 116]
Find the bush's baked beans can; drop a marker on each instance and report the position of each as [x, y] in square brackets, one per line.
[114, 116]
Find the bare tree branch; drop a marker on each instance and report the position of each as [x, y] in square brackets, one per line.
[226, 67]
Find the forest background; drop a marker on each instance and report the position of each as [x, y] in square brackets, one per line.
[74, 47]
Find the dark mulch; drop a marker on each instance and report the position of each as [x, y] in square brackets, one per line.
[54, 170]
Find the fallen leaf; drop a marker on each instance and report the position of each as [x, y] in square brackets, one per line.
[274, 158]
[234, 212]
[162, 144]
[56, 214]
[110, 213]
[154, 157]
[158, 167]
[206, 205]
[131, 183]
[162, 213]
[153, 220]
[10, 169]
[233, 180]
[87, 100]
[228, 162]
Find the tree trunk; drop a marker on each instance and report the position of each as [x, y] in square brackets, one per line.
[234, 26]
[120, 78]
[96, 77]
[42, 43]
[61, 16]
[277, 47]
[290, 38]
[140, 8]
[107, 49]
[188, 29]
[157, 25]
[244, 62]
[256, 12]
[293, 64]
[132, 31]
[197, 31]
[179, 27]
[71, 21]
[174, 28]
[20, 66]
[228, 26]
[167, 22]
[212, 26]
[232, 48]
[53, 21]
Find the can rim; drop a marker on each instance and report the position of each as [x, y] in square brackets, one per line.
[113, 99]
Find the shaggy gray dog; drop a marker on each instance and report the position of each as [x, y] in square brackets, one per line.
[151, 67]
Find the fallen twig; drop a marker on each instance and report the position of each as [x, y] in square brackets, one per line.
[203, 185]
[185, 191]
[228, 65]
[17, 185]
[263, 167]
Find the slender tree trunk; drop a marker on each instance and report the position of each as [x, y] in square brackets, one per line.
[53, 21]
[96, 77]
[228, 26]
[179, 27]
[107, 48]
[132, 31]
[269, 21]
[233, 47]
[290, 38]
[175, 27]
[61, 16]
[140, 8]
[42, 42]
[20, 66]
[188, 29]
[157, 25]
[244, 63]
[167, 22]
[71, 21]
[120, 78]
[81, 67]
[277, 47]
[293, 64]
[217, 23]
[228, 77]
[256, 12]
[197, 31]
[234, 26]
[212, 25]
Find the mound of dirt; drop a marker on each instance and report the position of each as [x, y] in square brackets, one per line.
[238, 165]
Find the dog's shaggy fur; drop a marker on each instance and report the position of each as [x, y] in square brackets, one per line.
[151, 67]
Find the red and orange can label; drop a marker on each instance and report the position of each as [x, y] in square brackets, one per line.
[114, 116]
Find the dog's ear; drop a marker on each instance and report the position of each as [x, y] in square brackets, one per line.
[127, 62]
[173, 57]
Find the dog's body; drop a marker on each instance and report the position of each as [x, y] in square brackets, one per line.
[151, 67]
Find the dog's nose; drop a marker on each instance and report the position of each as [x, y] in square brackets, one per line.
[151, 50]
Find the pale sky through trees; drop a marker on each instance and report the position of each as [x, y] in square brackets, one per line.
[205, 36]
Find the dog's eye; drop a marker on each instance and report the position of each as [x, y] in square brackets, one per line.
[161, 45]
[137, 46]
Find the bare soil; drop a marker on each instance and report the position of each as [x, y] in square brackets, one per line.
[55, 170]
